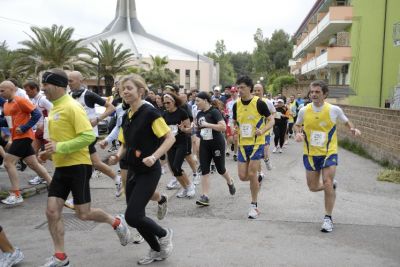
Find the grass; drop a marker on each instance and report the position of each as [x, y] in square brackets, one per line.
[391, 173]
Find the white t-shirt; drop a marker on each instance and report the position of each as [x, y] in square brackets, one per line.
[44, 105]
[270, 105]
[335, 113]
[21, 93]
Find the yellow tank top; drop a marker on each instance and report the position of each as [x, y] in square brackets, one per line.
[266, 119]
[291, 119]
[249, 120]
[320, 132]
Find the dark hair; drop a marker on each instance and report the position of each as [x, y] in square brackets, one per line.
[174, 87]
[31, 85]
[178, 101]
[227, 87]
[204, 96]
[14, 81]
[218, 104]
[246, 80]
[322, 85]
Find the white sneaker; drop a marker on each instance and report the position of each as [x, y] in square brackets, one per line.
[37, 180]
[13, 200]
[151, 256]
[196, 178]
[173, 184]
[54, 262]
[280, 150]
[274, 150]
[162, 209]
[183, 193]
[163, 171]
[122, 231]
[253, 212]
[166, 244]
[69, 203]
[137, 238]
[118, 186]
[9, 259]
[96, 174]
[327, 225]
[268, 164]
[191, 191]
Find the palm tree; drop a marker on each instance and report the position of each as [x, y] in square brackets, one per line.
[8, 68]
[112, 60]
[52, 48]
[159, 75]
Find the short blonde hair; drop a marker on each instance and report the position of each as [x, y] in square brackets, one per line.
[137, 80]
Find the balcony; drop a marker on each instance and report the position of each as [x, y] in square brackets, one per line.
[333, 56]
[337, 19]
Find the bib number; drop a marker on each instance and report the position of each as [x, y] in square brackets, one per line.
[9, 121]
[206, 133]
[246, 130]
[278, 115]
[174, 129]
[318, 138]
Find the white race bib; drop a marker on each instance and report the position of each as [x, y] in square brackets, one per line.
[9, 121]
[174, 129]
[317, 138]
[278, 115]
[46, 134]
[206, 133]
[246, 130]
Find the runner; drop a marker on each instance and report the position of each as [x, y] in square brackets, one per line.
[178, 120]
[70, 133]
[88, 100]
[212, 145]
[21, 116]
[39, 100]
[281, 122]
[146, 137]
[11, 256]
[249, 113]
[316, 127]
[231, 137]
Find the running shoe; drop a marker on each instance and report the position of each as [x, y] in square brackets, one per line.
[69, 203]
[253, 212]
[232, 188]
[182, 193]
[260, 178]
[150, 257]
[196, 178]
[191, 191]
[173, 184]
[162, 209]
[9, 259]
[203, 201]
[268, 164]
[37, 180]
[122, 230]
[137, 238]
[166, 244]
[13, 200]
[327, 225]
[280, 150]
[274, 150]
[54, 262]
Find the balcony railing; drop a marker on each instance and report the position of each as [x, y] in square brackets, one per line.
[333, 56]
[335, 20]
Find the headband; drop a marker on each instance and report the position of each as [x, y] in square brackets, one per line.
[170, 97]
[54, 79]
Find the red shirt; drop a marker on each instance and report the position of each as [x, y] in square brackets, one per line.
[17, 113]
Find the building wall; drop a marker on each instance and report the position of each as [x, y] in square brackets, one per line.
[380, 130]
[367, 50]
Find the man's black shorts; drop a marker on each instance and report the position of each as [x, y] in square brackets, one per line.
[73, 179]
[21, 148]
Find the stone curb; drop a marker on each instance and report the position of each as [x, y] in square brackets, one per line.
[27, 192]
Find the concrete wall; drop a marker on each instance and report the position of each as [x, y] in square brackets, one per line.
[380, 131]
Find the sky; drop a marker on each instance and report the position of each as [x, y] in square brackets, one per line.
[196, 25]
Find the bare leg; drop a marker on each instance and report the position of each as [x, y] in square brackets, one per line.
[5, 245]
[38, 168]
[328, 175]
[55, 221]
[101, 166]
[9, 164]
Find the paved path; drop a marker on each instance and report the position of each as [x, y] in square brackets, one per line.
[367, 222]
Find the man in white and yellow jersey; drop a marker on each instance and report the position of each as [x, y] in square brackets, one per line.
[249, 115]
[316, 126]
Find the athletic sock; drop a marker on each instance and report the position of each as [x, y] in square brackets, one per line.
[16, 192]
[254, 203]
[116, 222]
[60, 255]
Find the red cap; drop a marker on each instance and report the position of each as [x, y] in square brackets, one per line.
[233, 89]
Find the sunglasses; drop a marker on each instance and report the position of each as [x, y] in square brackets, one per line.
[167, 103]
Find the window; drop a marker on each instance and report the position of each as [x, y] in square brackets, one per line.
[187, 79]
[178, 76]
[197, 79]
[337, 77]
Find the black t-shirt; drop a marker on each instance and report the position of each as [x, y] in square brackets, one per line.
[213, 116]
[173, 119]
[262, 108]
[188, 110]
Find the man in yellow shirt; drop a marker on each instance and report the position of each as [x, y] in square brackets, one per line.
[316, 126]
[69, 133]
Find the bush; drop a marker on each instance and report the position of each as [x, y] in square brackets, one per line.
[281, 82]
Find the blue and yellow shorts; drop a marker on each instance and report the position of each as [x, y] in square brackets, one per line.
[268, 139]
[250, 152]
[317, 163]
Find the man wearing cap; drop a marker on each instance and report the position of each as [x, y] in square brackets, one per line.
[20, 115]
[69, 133]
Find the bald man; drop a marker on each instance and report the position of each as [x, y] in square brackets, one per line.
[20, 115]
[88, 100]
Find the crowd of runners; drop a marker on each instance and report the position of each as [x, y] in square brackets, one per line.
[149, 134]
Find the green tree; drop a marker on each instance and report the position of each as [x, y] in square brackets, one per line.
[112, 60]
[52, 48]
[226, 71]
[260, 58]
[8, 66]
[280, 48]
[159, 75]
[282, 81]
[241, 62]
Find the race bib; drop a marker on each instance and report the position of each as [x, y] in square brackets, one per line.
[278, 115]
[46, 134]
[318, 138]
[246, 130]
[174, 129]
[206, 133]
[9, 121]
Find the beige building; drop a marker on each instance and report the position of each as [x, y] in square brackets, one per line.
[194, 71]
